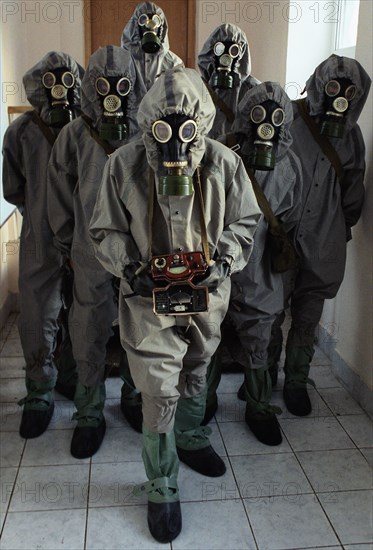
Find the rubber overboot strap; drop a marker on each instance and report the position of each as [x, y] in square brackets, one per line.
[258, 391]
[195, 438]
[89, 402]
[39, 395]
[159, 490]
[189, 433]
[297, 365]
[159, 454]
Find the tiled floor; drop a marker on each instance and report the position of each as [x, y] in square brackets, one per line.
[312, 491]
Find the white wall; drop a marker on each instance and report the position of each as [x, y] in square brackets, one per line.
[350, 315]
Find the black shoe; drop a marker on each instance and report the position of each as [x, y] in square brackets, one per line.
[133, 415]
[210, 411]
[164, 520]
[265, 427]
[87, 440]
[204, 461]
[297, 400]
[66, 390]
[273, 373]
[35, 422]
[241, 392]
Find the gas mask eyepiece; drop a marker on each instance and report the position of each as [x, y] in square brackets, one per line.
[58, 85]
[174, 135]
[226, 54]
[267, 119]
[113, 92]
[149, 28]
[338, 94]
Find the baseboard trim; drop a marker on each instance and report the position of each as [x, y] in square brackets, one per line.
[348, 378]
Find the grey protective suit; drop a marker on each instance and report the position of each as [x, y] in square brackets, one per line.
[148, 65]
[328, 213]
[26, 153]
[257, 291]
[74, 176]
[242, 69]
[168, 355]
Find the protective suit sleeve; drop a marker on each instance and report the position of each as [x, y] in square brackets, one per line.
[109, 228]
[242, 215]
[14, 180]
[352, 185]
[62, 179]
[289, 211]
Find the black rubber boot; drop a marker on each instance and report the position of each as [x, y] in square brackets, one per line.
[297, 400]
[34, 422]
[264, 426]
[297, 367]
[204, 461]
[66, 390]
[241, 392]
[87, 440]
[133, 415]
[211, 408]
[164, 520]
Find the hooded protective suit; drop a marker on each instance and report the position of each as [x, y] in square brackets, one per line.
[26, 153]
[243, 81]
[329, 209]
[74, 176]
[156, 346]
[148, 65]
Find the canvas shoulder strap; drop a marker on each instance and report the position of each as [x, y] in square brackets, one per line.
[109, 149]
[325, 145]
[218, 102]
[47, 132]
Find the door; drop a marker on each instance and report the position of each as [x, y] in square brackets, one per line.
[105, 20]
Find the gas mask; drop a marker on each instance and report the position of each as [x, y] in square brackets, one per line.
[226, 55]
[174, 134]
[338, 94]
[150, 25]
[113, 92]
[59, 85]
[267, 119]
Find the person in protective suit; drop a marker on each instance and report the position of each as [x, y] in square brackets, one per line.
[52, 88]
[261, 136]
[160, 198]
[74, 175]
[146, 37]
[224, 63]
[329, 143]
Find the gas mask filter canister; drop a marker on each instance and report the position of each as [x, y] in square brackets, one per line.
[174, 135]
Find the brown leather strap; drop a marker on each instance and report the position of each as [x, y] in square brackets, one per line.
[325, 145]
[49, 135]
[218, 102]
[109, 149]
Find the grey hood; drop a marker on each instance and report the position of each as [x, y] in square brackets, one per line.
[32, 81]
[258, 94]
[131, 38]
[338, 67]
[109, 61]
[179, 91]
[223, 33]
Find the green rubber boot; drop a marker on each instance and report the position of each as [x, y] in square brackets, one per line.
[38, 407]
[260, 415]
[192, 441]
[130, 401]
[90, 430]
[297, 367]
[213, 377]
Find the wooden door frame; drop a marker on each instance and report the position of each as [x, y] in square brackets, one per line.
[191, 33]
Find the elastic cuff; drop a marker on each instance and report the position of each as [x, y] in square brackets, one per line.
[158, 490]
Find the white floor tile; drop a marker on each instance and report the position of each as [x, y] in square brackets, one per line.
[113, 387]
[50, 449]
[50, 488]
[112, 484]
[359, 428]
[120, 528]
[119, 445]
[113, 414]
[323, 377]
[49, 530]
[320, 358]
[294, 521]
[319, 408]
[10, 417]
[11, 449]
[230, 408]
[198, 488]
[336, 470]
[230, 382]
[307, 434]
[12, 390]
[350, 514]
[368, 453]
[62, 415]
[214, 525]
[239, 440]
[12, 348]
[7, 477]
[340, 401]
[12, 367]
[269, 475]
